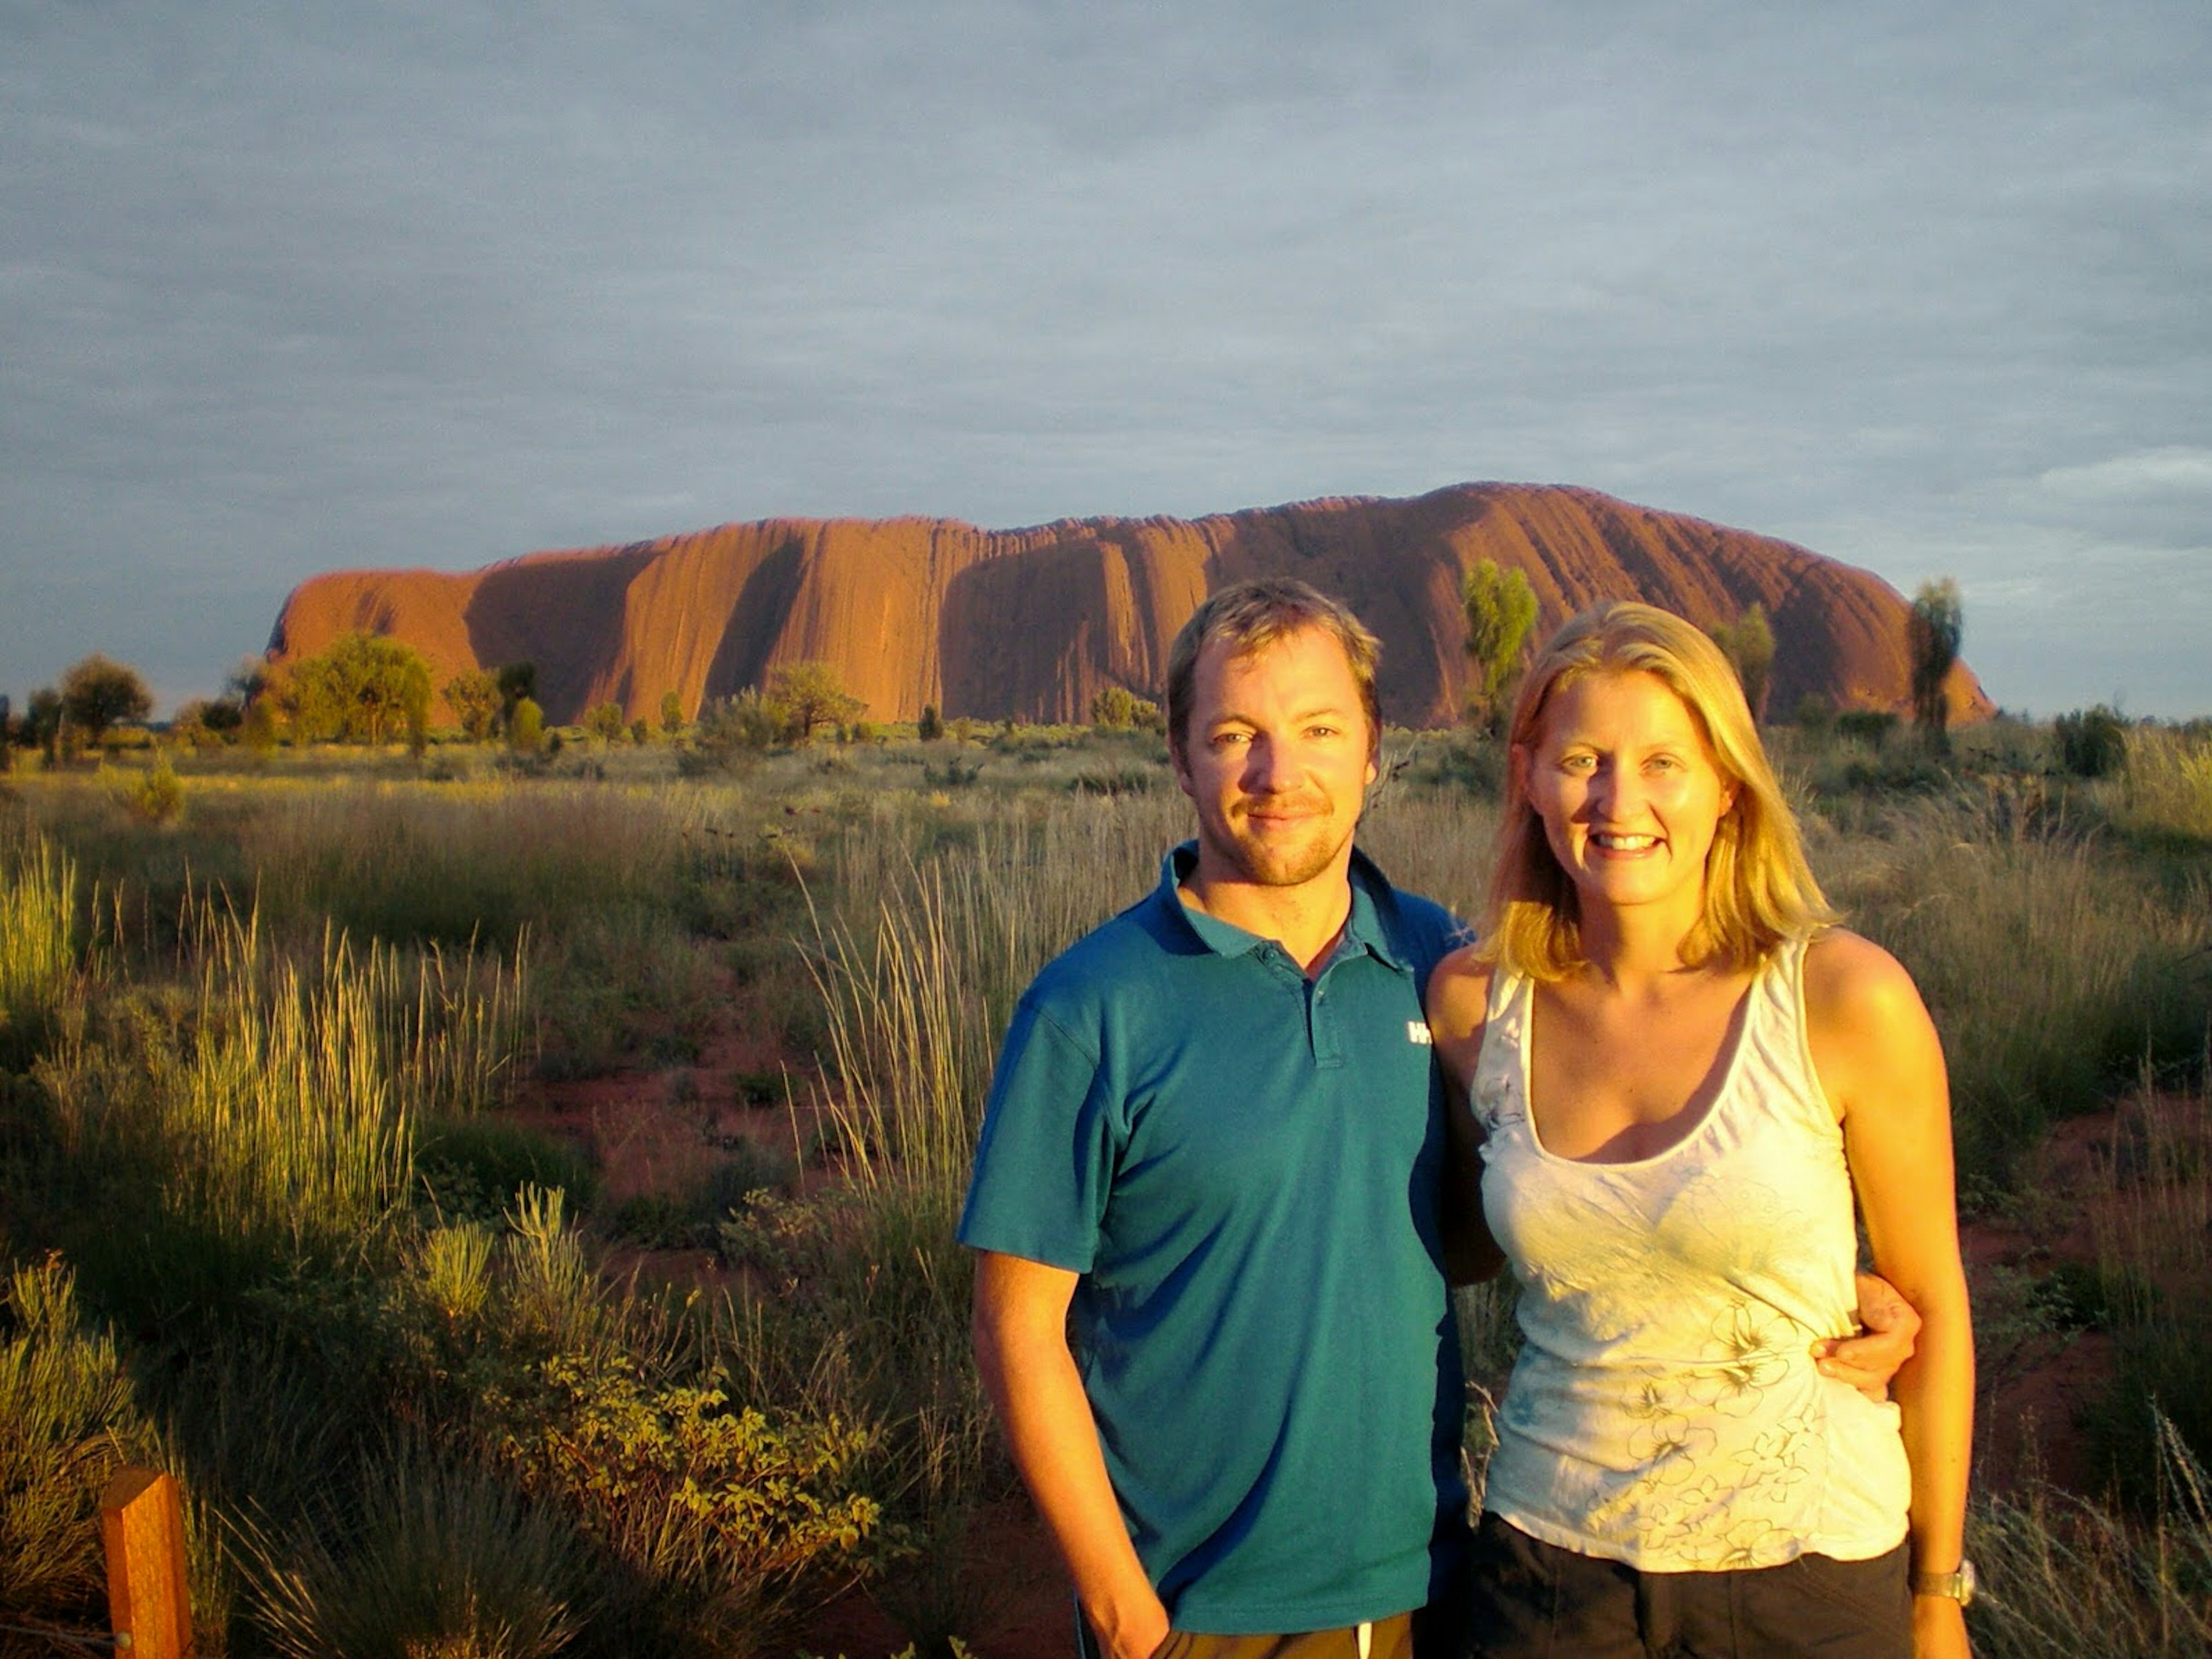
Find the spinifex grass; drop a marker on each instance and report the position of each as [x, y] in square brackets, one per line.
[2151, 1211]
[2167, 791]
[2050, 963]
[38, 940]
[480, 861]
[2070, 1579]
[265, 1114]
[430, 1557]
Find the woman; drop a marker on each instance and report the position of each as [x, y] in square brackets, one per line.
[1679, 1073]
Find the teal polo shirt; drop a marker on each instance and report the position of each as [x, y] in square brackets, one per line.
[1244, 1168]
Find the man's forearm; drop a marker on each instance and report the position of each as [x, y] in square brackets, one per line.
[1032, 1380]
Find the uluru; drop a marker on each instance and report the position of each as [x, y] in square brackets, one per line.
[1032, 623]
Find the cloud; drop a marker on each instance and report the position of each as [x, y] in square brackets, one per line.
[2171, 471]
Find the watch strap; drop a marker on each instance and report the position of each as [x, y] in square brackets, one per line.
[1957, 1585]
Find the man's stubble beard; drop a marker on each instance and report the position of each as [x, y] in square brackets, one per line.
[1276, 865]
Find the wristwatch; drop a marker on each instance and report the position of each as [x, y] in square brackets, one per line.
[1959, 1586]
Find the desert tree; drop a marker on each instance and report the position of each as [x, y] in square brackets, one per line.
[2092, 743]
[1748, 644]
[197, 722]
[250, 689]
[473, 696]
[930, 726]
[1501, 609]
[605, 721]
[811, 695]
[671, 712]
[1114, 708]
[254, 677]
[517, 681]
[1117, 708]
[98, 693]
[42, 722]
[1932, 631]
[223, 715]
[748, 724]
[258, 727]
[361, 688]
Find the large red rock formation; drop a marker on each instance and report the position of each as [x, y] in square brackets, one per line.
[1035, 623]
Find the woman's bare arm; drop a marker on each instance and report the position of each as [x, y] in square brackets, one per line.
[1458, 1002]
[1880, 1061]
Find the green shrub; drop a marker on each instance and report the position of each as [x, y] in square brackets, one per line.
[472, 1169]
[692, 1219]
[1119, 780]
[659, 1221]
[605, 721]
[2092, 743]
[730, 1508]
[759, 1089]
[1814, 714]
[525, 727]
[156, 795]
[69, 1420]
[1867, 725]
[621, 981]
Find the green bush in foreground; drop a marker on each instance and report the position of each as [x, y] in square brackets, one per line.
[66, 1421]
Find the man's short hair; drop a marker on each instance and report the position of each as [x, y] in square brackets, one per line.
[1251, 616]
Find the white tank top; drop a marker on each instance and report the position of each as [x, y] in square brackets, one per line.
[1665, 1410]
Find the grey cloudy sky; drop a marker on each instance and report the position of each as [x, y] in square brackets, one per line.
[292, 286]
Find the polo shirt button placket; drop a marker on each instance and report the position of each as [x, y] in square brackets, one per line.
[1322, 1029]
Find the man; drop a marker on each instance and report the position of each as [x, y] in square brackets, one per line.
[1215, 1149]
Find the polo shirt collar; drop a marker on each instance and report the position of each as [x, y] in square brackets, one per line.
[1363, 928]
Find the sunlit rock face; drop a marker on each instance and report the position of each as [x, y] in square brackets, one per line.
[1034, 622]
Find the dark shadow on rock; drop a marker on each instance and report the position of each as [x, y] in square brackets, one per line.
[757, 619]
[1015, 635]
[563, 613]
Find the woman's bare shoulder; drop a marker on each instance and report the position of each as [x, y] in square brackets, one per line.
[1459, 994]
[1853, 987]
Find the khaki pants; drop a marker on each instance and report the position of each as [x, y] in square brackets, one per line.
[1386, 1639]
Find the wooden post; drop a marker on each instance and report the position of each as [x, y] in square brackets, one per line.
[141, 1519]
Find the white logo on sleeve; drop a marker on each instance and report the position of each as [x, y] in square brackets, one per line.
[1416, 1031]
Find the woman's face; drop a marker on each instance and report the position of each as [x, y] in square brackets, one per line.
[1629, 791]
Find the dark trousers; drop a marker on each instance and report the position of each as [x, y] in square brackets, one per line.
[1530, 1599]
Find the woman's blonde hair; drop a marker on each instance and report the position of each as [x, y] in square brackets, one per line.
[1759, 891]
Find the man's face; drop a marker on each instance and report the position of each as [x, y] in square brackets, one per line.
[1276, 760]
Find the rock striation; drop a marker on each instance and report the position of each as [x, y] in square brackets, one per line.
[1034, 622]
